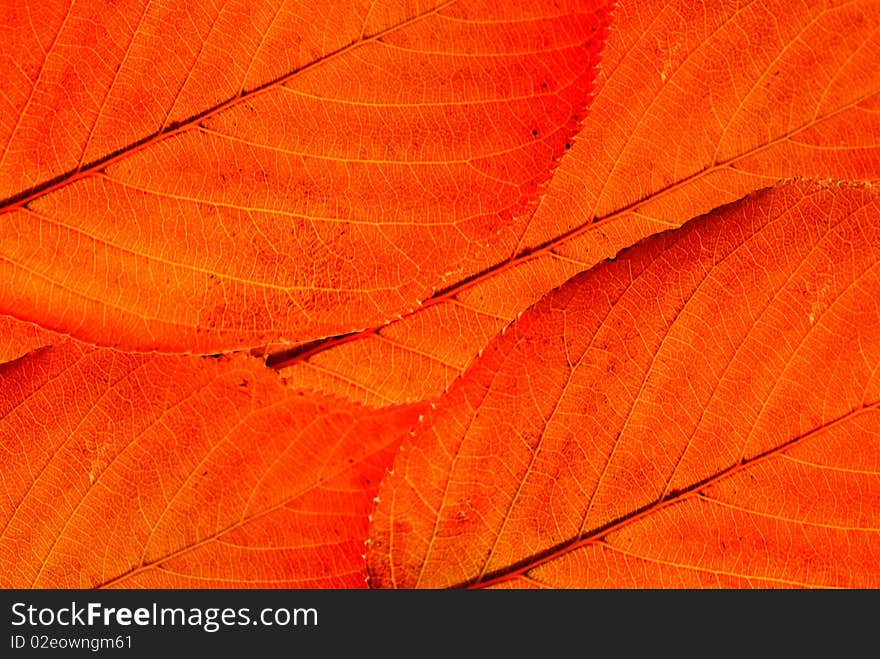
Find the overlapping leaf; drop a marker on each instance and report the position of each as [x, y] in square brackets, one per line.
[703, 411]
[697, 104]
[131, 470]
[410, 177]
[284, 189]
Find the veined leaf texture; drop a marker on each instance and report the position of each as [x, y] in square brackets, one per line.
[291, 204]
[590, 287]
[705, 424]
[696, 105]
[183, 466]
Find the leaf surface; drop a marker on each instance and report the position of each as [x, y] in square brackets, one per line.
[697, 104]
[162, 471]
[88, 80]
[18, 338]
[702, 411]
[326, 173]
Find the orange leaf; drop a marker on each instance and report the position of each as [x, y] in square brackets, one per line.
[703, 411]
[200, 197]
[697, 104]
[85, 82]
[130, 470]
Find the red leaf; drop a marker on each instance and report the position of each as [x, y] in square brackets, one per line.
[178, 472]
[704, 411]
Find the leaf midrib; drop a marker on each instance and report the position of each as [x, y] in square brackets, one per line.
[523, 567]
[306, 351]
[24, 197]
